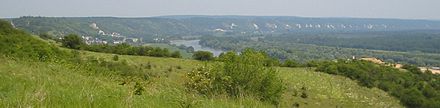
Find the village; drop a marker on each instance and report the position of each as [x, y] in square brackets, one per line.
[116, 38]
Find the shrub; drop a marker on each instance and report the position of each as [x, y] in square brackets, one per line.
[179, 67]
[138, 89]
[200, 80]
[240, 75]
[148, 66]
[115, 58]
[46, 36]
[176, 54]
[170, 69]
[291, 63]
[73, 41]
[203, 55]
[304, 95]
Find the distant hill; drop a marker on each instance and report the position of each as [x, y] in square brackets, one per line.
[205, 25]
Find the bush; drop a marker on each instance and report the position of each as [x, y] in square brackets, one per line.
[115, 57]
[203, 55]
[138, 89]
[178, 67]
[46, 36]
[201, 80]
[304, 95]
[240, 75]
[73, 41]
[176, 54]
[291, 63]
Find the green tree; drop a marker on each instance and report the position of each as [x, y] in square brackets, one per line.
[46, 36]
[176, 54]
[203, 55]
[73, 41]
[290, 63]
[225, 56]
[123, 49]
[165, 52]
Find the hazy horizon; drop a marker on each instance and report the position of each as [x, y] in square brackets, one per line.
[394, 9]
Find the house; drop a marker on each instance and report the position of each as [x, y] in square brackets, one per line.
[117, 42]
[219, 30]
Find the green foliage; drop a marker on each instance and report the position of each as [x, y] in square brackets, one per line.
[414, 88]
[201, 80]
[304, 95]
[73, 41]
[115, 58]
[203, 55]
[176, 54]
[138, 89]
[126, 49]
[413, 69]
[226, 56]
[47, 36]
[291, 63]
[16, 43]
[271, 61]
[184, 53]
[241, 75]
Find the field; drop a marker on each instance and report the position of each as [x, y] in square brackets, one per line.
[48, 84]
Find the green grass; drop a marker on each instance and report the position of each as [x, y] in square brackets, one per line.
[331, 91]
[47, 84]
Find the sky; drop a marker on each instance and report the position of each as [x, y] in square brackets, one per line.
[402, 9]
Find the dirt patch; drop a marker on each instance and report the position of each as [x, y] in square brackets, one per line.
[434, 71]
[374, 60]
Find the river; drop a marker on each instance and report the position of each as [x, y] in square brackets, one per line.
[197, 47]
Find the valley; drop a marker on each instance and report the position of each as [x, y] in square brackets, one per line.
[297, 38]
[219, 54]
[48, 65]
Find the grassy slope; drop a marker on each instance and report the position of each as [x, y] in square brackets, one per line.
[323, 89]
[54, 85]
[39, 84]
[332, 91]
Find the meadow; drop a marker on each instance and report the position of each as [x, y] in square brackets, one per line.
[47, 84]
